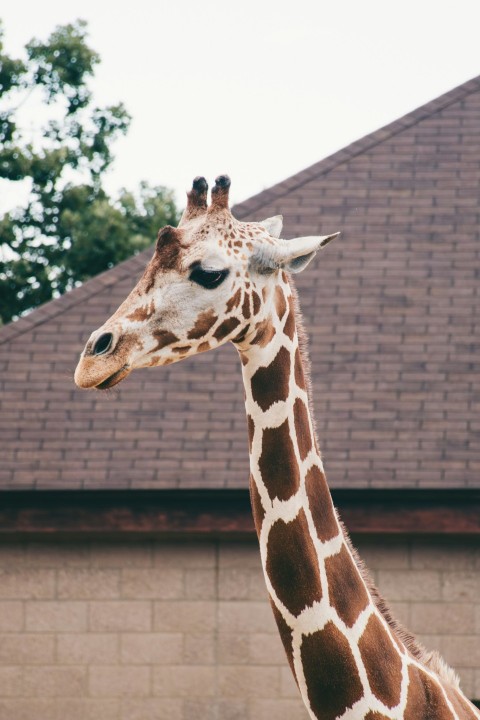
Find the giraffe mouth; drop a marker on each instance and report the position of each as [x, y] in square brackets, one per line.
[114, 379]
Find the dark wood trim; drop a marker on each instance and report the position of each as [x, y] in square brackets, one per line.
[227, 512]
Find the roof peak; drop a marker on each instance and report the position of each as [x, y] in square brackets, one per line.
[321, 167]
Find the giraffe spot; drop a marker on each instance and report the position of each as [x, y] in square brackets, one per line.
[345, 587]
[375, 716]
[278, 464]
[163, 338]
[289, 327]
[425, 698]
[265, 332]
[298, 369]
[241, 336]
[225, 328]
[331, 675]
[292, 564]
[302, 428]
[286, 636]
[380, 658]
[462, 706]
[167, 249]
[270, 384]
[141, 314]
[256, 302]
[258, 510]
[203, 347]
[280, 302]
[320, 504]
[264, 293]
[182, 349]
[203, 323]
[251, 430]
[234, 301]
[246, 306]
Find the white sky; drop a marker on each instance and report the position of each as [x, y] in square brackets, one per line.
[259, 90]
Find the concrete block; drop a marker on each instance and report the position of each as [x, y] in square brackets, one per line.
[88, 584]
[54, 681]
[23, 648]
[56, 616]
[87, 648]
[186, 681]
[11, 616]
[247, 681]
[151, 649]
[185, 617]
[120, 616]
[153, 583]
[119, 681]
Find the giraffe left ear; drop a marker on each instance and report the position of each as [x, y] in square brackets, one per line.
[297, 253]
[273, 225]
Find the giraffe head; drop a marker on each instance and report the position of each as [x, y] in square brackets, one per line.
[211, 280]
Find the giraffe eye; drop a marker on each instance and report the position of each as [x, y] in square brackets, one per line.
[209, 279]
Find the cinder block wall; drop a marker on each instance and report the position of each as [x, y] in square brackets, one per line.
[155, 630]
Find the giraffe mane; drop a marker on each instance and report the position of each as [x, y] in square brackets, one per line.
[432, 660]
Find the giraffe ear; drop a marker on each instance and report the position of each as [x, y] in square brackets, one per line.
[297, 253]
[273, 225]
[292, 255]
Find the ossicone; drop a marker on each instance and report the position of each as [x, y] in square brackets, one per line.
[196, 200]
[220, 193]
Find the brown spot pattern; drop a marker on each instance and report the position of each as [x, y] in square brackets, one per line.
[278, 464]
[234, 300]
[258, 510]
[289, 327]
[246, 306]
[203, 347]
[381, 660]
[302, 428]
[265, 332]
[251, 430]
[163, 338]
[285, 635]
[424, 699]
[298, 369]
[203, 323]
[280, 303]
[142, 313]
[167, 249]
[375, 716]
[226, 327]
[292, 564]
[256, 302]
[345, 587]
[182, 349]
[462, 706]
[320, 504]
[331, 675]
[271, 384]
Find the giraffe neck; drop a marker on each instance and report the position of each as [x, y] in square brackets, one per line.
[327, 619]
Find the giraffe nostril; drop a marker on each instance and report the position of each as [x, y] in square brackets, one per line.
[102, 344]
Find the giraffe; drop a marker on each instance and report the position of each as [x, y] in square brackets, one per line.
[215, 279]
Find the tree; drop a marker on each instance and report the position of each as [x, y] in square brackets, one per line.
[69, 229]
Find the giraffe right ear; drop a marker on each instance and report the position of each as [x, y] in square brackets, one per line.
[291, 255]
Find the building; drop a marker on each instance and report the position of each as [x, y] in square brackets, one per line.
[130, 582]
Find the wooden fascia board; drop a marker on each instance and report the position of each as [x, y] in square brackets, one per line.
[227, 512]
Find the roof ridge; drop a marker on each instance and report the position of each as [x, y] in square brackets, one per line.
[73, 297]
[357, 147]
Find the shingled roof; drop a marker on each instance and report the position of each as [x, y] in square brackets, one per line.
[391, 309]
